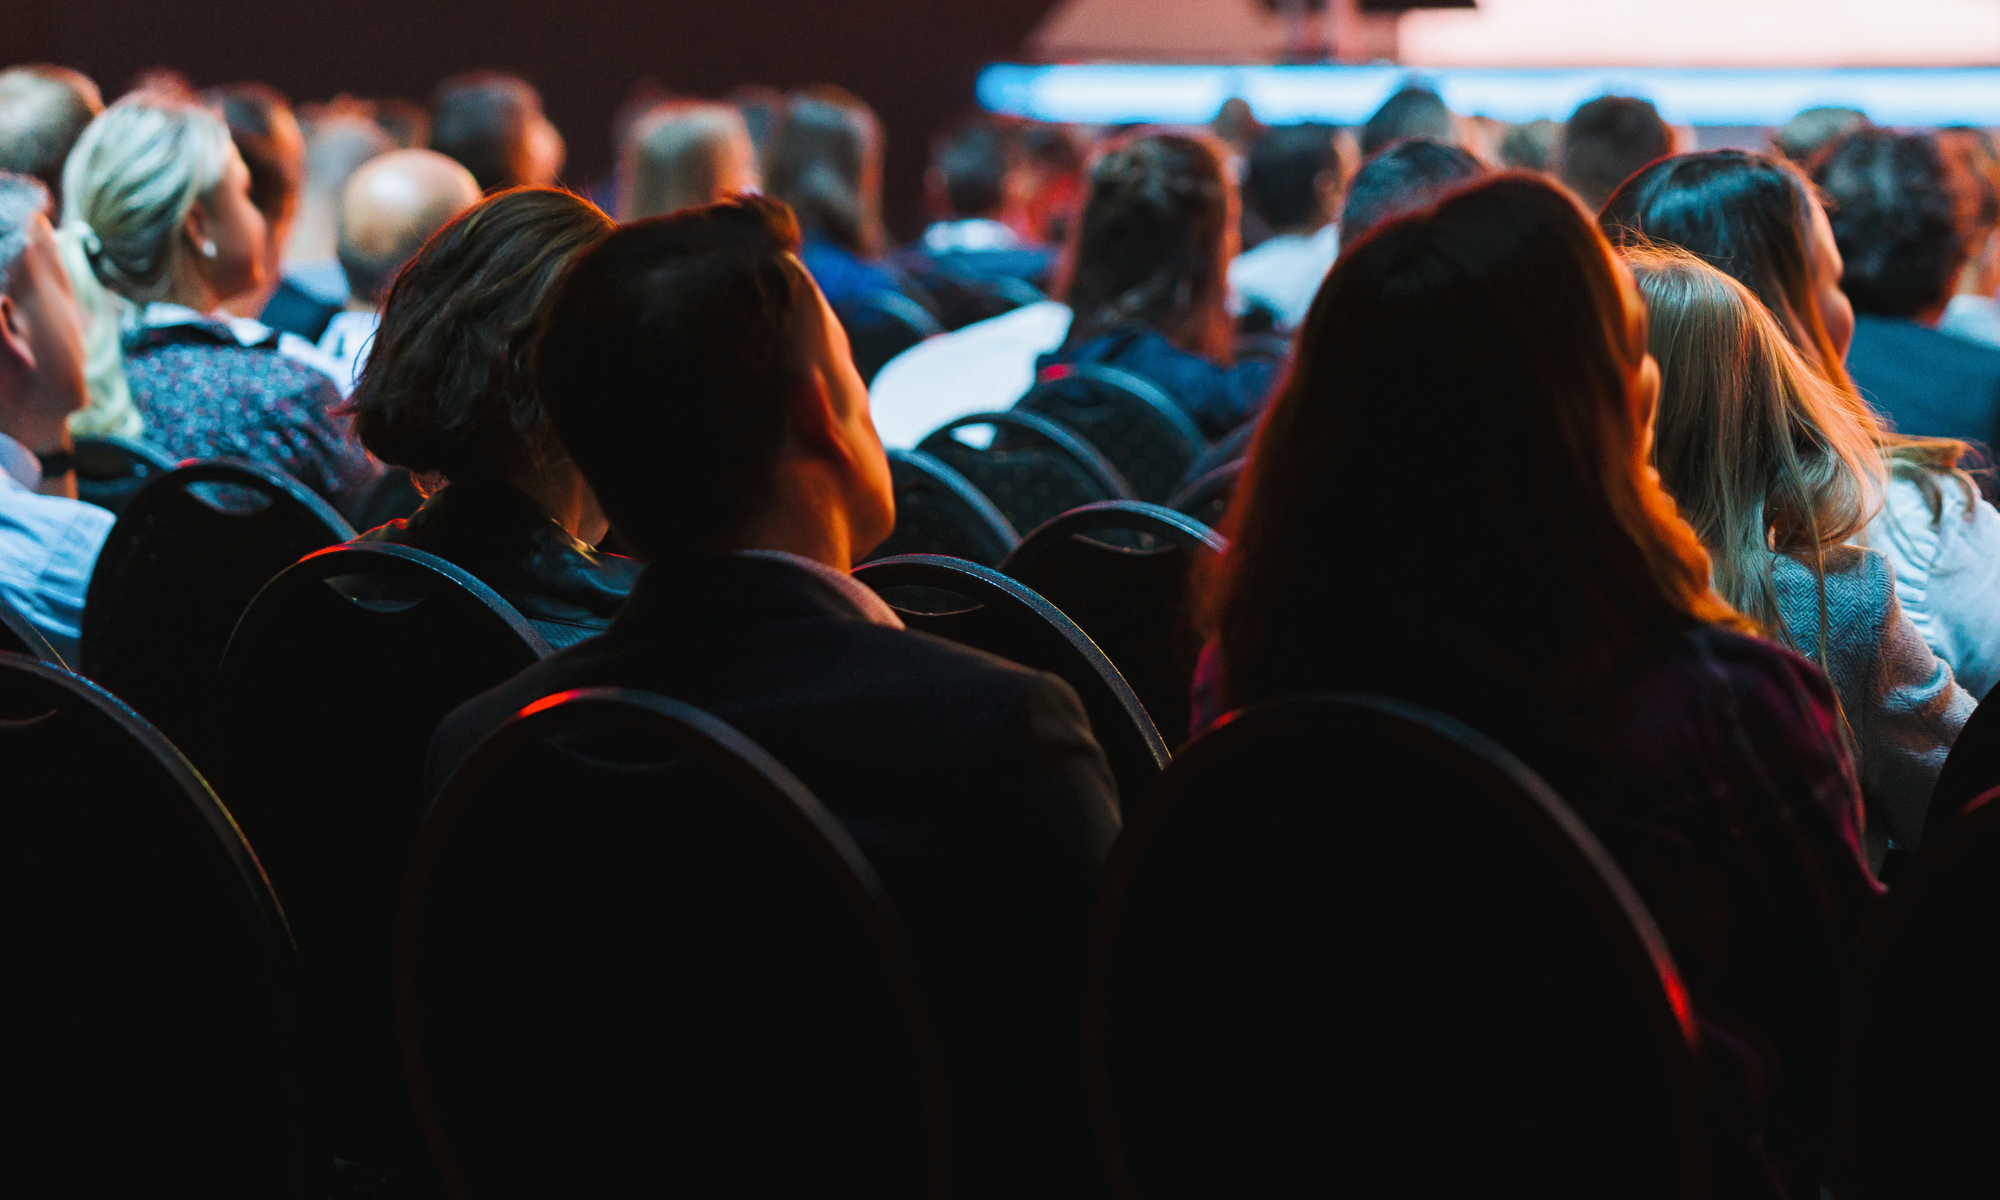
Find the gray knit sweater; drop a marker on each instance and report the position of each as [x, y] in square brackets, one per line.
[1899, 697]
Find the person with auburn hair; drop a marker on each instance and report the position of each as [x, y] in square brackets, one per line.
[445, 392]
[1148, 279]
[1759, 220]
[1775, 473]
[1574, 622]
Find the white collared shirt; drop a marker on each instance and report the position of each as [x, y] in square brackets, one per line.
[983, 367]
[872, 607]
[1284, 272]
[249, 332]
[346, 342]
[48, 548]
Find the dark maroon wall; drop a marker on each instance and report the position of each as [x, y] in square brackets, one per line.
[914, 60]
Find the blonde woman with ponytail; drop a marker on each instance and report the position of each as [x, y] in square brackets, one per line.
[1776, 473]
[160, 232]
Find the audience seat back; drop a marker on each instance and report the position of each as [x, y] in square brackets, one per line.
[981, 608]
[1031, 468]
[110, 470]
[881, 325]
[150, 975]
[1234, 448]
[939, 511]
[18, 635]
[637, 954]
[1355, 939]
[1207, 499]
[1916, 1105]
[1148, 437]
[336, 677]
[187, 554]
[1123, 571]
[1971, 769]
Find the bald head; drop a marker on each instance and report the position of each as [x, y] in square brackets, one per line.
[390, 209]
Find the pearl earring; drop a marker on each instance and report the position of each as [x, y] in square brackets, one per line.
[207, 248]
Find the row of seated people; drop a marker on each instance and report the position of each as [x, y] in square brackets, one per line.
[1713, 764]
[827, 505]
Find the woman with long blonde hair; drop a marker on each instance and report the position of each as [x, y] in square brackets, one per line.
[1760, 221]
[1776, 473]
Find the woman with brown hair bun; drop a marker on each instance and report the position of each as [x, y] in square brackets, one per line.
[1553, 599]
[446, 393]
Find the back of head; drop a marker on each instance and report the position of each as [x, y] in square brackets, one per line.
[1810, 132]
[972, 163]
[1408, 175]
[336, 146]
[825, 164]
[1293, 169]
[1747, 215]
[1527, 147]
[446, 388]
[684, 155]
[267, 135]
[391, 207]
[1152, 244]
[1606, 140]
[1411, 112]
[1894, 218]
[132, 178]
[666, 361]
[22, 199]
[1561, 555]
[1758, 450]
[43, 109]
[485, 120]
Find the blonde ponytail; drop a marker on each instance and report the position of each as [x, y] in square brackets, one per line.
[110, 411]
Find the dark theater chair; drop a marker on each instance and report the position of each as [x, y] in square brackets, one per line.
[1354, 939]
[981, 608]
[939, 511]
[337, 675]
[150, 974]
[1137, 426]
[1031, 468]
[637, 955]
[187, 554]
[1123, 571]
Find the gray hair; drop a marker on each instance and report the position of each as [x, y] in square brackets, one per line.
[673, 157]
[21, 198]
[132, 178]
[43, 109]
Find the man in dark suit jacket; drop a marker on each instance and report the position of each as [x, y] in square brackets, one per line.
[704, 387]
[1904, 216]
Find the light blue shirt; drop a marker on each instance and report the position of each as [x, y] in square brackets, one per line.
[48, 547]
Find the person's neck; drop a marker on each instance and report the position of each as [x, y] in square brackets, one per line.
[189, 290]
[1930, 317]
[799, 521]
[563, 494]
[315, 231]
[40, 437]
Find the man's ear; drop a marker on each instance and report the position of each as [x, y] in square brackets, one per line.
[814, 422]
[15, 345]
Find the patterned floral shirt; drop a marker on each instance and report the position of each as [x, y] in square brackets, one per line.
[207, 392]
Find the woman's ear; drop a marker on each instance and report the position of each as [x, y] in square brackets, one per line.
[1645, 401]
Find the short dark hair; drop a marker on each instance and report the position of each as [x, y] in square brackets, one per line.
[1411, 112]
[1408, 175]
[1894, 219]
[666, 359]
[1282, 182]
[267, 135]
[447, 387]
[973, 160]
[1605, 141]
[482, 119]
